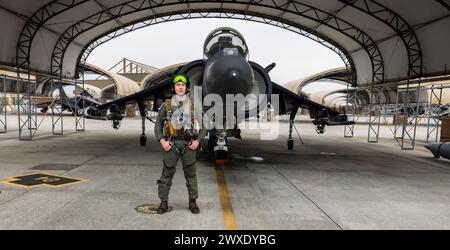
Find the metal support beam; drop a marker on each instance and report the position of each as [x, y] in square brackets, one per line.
[398, 107]
[34, 23]
[57, 113]
[3, 107]
[350, 110]
[374, 114]
[444, 4]
[433, 121]
[80, 122]
[26, 108]
[410, 111]
[389, 113]
[401, 27]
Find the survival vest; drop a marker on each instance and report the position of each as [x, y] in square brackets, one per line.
[168, 130]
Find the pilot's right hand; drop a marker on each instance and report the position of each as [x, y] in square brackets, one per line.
[166, 145]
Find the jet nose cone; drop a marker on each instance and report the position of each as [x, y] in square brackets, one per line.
[227, 75]
[434, 148]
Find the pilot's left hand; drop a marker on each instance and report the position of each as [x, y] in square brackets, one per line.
[194, 144]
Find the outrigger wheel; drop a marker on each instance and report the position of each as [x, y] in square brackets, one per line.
[320, 128]
[290, 144]
[143, 139]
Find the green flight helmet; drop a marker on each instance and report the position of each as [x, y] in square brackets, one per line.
[180, 78]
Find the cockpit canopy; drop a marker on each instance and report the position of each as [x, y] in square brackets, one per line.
[225, 39]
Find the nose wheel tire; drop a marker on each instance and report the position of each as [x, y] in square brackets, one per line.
[290, 144]
[143, 140]
[221, 157]
[212, 142]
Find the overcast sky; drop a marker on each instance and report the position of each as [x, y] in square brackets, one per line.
[173, 42]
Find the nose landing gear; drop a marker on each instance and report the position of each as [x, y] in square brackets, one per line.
[218, 143]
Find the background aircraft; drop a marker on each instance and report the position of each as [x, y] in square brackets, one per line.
[75, 104]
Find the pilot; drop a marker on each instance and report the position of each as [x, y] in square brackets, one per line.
[174, 129]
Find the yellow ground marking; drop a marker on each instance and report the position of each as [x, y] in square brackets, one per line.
[8, 180]
[227, 210]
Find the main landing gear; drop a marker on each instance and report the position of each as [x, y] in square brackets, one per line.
[143, 113]
[290, 141]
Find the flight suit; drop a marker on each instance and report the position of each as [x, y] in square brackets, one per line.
[180, 149]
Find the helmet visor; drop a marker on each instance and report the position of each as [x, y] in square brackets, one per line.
[180, 78]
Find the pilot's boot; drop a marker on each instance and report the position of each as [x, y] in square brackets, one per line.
[163, 207]
[193, 206]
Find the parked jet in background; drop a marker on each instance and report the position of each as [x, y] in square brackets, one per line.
[75, 104]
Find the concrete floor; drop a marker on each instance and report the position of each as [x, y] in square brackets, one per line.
[327, 183]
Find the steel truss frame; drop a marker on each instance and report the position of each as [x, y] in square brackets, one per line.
[389, 106]
[3, 108]
[404, 133]
[407, 140]
[378, 110]
[105, 37]
[444, 4]
[80, 120]
[57, 113]
[374, 113]
[128, 66]
[408, 126]
[34, 23]
[401, 27]
[26, 107]
[433, 122]
[300, 9]
[350, 110]
[29, 31]
[411, 43]
[361, 94]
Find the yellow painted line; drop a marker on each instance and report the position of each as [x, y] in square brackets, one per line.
[228, 214]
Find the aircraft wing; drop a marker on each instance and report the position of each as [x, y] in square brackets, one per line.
[157, 91]
[143, 95]
[289, 104]
[150, 93]
[322, 115]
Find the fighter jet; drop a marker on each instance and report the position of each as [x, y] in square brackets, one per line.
[75, 104]
[225, 69]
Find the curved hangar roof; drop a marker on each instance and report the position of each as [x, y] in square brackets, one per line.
[336, 75]
[383, 40]
[124, 86]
